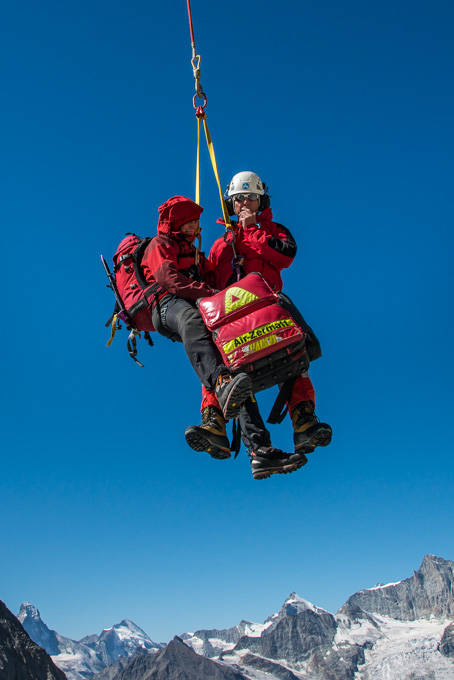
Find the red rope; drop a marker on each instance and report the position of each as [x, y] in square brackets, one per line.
[191, 28]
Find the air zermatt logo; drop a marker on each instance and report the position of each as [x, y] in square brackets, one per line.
[238, 297]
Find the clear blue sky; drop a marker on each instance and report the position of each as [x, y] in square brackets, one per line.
[345, 110]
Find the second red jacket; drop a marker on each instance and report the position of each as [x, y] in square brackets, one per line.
[267, 248]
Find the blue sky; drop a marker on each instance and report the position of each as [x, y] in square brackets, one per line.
[345, 110]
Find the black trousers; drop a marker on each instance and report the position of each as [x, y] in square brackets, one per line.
[180, 320]
[253, 430]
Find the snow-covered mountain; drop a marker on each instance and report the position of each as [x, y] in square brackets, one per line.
[82, 659]
[396, 631]
[121, 640]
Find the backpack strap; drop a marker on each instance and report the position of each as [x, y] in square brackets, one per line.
[235, 445]
[132, 346]
[277, 415]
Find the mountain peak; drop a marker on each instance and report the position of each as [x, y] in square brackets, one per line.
[20, 657]
[301, 604]
[433, 562]
[428, 594]
[27, 609]
[177, 661]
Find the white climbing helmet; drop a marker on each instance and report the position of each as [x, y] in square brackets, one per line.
[246, 182]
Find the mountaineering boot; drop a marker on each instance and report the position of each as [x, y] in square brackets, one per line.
[232, 391]
[308, 431]
[267, 461]
[210, 435]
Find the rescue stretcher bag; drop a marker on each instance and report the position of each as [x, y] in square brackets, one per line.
[255, 333]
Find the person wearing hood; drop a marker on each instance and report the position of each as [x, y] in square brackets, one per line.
[264, 246]
[182, 273]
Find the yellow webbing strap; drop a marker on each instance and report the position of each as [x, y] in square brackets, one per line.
[114, 329]
[225, 213]
[197, 170]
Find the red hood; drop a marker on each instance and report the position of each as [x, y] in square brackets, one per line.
[175, 212]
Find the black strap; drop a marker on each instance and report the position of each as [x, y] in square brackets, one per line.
[116, 309]
[277, 415]
[147, 337]
[236, 437]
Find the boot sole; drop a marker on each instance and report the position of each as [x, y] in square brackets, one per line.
[235, 400]
[264, 474]
[320, 438]
[198, 442]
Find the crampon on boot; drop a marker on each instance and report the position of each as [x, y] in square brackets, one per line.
[267, 461]
[308, 431]
[210, 435]
[232, 391]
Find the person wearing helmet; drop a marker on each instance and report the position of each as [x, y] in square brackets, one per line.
[264, 246]
[180, 270]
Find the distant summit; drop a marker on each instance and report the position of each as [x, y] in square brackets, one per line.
[20, 657]
[30, 618]
[121, 640]
[82, 659]
[428, 593]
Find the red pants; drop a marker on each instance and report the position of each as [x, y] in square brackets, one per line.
[303, 390]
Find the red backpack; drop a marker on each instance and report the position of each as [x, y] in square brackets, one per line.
[134, 294]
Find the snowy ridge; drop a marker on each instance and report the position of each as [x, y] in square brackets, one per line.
[396, 631]
[383, 585]
[358, 643]
[82, 659]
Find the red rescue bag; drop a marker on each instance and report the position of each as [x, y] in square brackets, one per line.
[255, 333]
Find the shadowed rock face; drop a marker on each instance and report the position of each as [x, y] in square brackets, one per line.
[20, 657]
[429, 592]
[177, 662]
[307, 637]
[446, 646]
[275, 669]
[294, 637]
[226, 635]
[113, 671]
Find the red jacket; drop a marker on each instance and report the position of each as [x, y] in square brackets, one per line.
[267, 248]
[170, 257]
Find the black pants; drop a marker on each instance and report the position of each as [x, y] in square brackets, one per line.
[180, 320]
[253, 430]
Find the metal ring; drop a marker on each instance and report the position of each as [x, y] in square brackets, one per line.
[200, 94]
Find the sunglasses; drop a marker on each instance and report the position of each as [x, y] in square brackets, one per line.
[242, 197]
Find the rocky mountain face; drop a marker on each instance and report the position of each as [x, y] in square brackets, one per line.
[446, 646]
[20, 657]
[399, 631]
[302, 641]
[402, 631]
[429, 592]
[82, 659]
[111, 672]
[176, 661]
